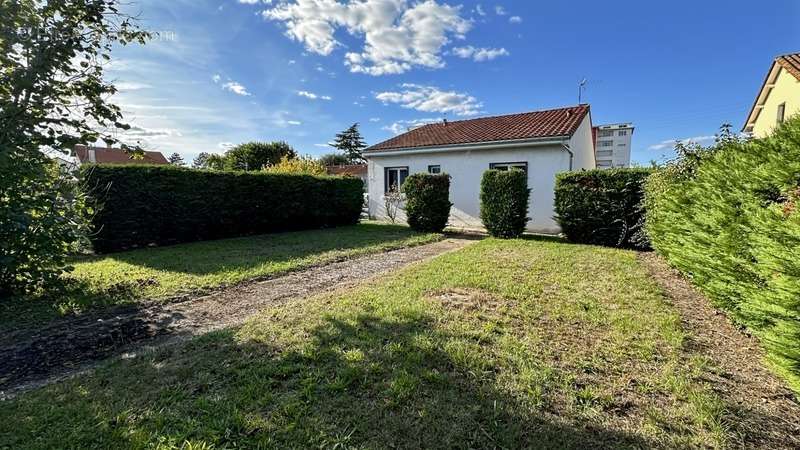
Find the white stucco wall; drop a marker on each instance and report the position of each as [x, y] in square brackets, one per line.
[466, 169]
[467, 166]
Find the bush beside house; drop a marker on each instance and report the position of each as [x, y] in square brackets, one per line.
[156, 205]
[602, 207]
[427, 201]
[504, 202]
[729, 218]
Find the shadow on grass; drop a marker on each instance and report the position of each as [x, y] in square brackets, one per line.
[360, 382]
[209, 257]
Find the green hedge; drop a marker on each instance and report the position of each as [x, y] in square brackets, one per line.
[157, 205]
[730, 219]
[427, 201]
[504, 202]
[602, 207]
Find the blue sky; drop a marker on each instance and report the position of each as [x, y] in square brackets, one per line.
[223, 72]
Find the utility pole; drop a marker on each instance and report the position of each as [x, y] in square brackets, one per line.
[581, 88]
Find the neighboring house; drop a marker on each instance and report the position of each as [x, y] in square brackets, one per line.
[107, 155]
[543, 143]
[353, 170]
[613, 145]
[779, 97]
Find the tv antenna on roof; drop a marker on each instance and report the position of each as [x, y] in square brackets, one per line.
[581, 88]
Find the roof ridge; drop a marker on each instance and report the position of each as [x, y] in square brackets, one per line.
[497, 116]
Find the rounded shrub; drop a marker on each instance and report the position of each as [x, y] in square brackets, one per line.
[602, 207]
[504, 202]
[427, 201]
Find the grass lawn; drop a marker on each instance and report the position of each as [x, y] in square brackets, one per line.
[164, 272]
[502, 344]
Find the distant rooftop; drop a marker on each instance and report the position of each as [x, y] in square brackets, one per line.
[108, 155]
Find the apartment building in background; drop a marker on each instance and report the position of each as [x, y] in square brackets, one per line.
[612, 145]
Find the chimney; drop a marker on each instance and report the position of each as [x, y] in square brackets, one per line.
[444, 121]
[92, 155]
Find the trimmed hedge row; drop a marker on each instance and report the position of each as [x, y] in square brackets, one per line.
[504, 202]
[602, 207]
[729, 218]
[140, 205]
[427, 201]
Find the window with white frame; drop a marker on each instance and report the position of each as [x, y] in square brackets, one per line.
[605, 133]
[622, 133]
[509, 166]
[394, 178]
[435, 169]
[605, 143]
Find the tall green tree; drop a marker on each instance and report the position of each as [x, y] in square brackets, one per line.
[52, 96]
[351, 143]
[257, 155]
[201, 161]
[176, 159]
[334, 159]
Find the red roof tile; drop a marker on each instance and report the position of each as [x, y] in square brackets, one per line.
[355, 170]
[105, 155]
[537, 124]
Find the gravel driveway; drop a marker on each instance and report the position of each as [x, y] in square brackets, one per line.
[35, 357]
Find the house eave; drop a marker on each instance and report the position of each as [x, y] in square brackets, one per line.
[491, 145]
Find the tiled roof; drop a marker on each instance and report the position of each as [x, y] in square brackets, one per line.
[355, 170]
[791, 63]
[106, 155]
[530, 125]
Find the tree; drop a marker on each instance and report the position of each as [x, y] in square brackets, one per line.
[52, 96]
[257, 155]
[201, 161]
[215, 162]
[351, 143]
[176, 160]
[334, 159]
[304, 165]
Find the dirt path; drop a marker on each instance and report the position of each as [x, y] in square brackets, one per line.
[31, 358]
[765, 413]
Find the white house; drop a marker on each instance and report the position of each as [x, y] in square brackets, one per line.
[543, 143]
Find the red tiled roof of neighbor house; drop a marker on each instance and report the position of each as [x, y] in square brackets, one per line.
[791, 63]
[529, 125]
[356, 170]
[107, 155]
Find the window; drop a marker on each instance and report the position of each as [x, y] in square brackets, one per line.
[781, 112]
[604, 164]
[605, 153]
[605, 133]
[394, 178]
[605, 143]
[509, 166]
[622, 133]
[435, 169]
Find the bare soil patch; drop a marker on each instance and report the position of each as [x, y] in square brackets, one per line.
[468, 299]
[765, 411]
[34, 357]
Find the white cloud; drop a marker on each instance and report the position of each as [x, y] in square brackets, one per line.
[515, 19]
[479, 54]
[216, 78]
[500, 11]
[225, 145]
[125, 86]
[313, 96]
[396, 36]
[322, 145]
[236, 88]
[294, 122]
[137, 132]
[402, 126]
[671, 142]
[479, 10]
[432, 99]
[374, 119]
